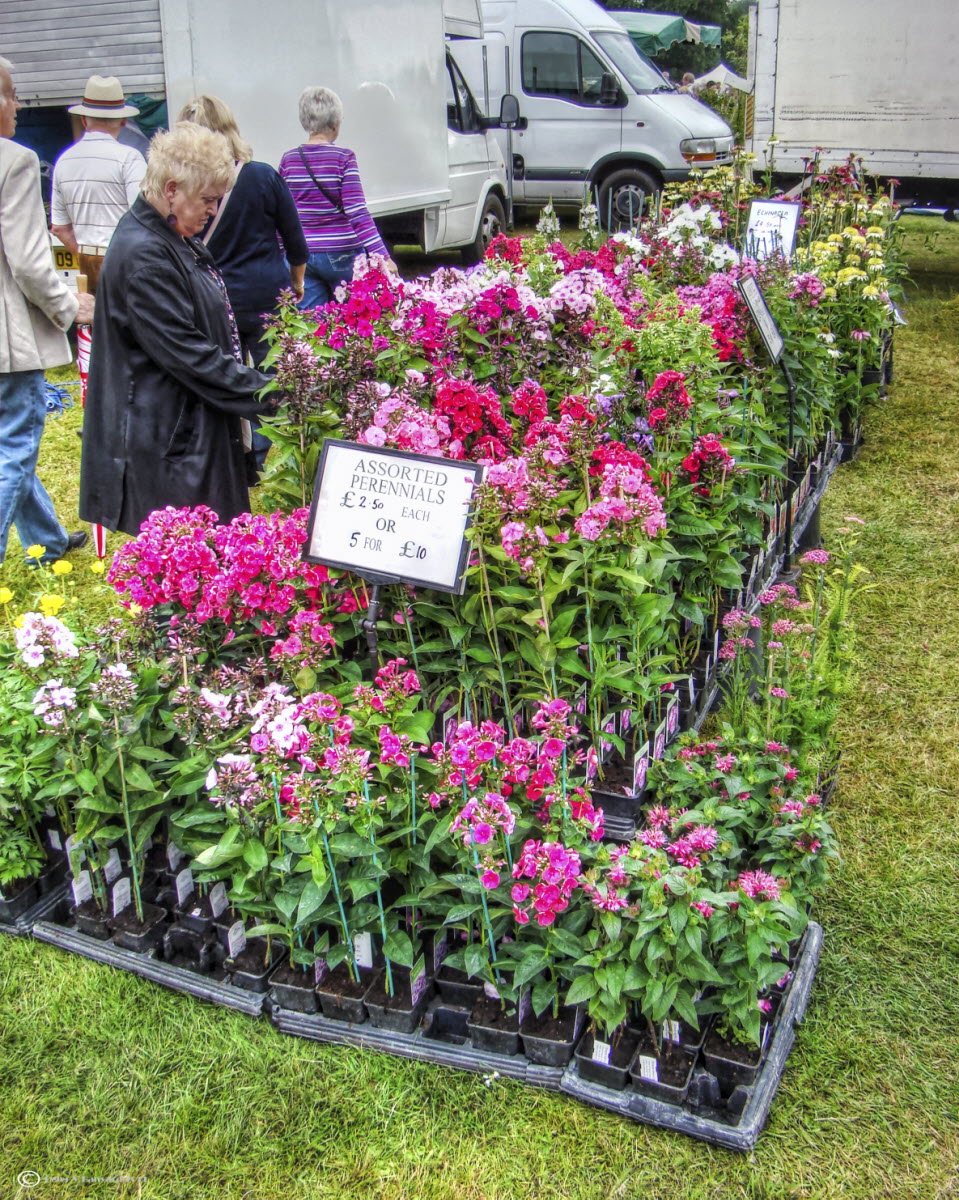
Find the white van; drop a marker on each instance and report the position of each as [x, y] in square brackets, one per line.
[596, 113]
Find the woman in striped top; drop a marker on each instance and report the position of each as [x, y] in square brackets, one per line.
[325, 183]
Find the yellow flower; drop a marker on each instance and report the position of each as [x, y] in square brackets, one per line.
[18, 622]
[50, 605]
[36, 551]
[97, 567]
[5, 595]
[62, 567]
[135, 610]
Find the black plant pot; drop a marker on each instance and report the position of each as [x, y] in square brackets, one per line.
[251, 969]
[492, 1029]
[293, 988]
[447, 1023]
[192, 951]
[615, 1073]
[456, 987]
[675, 1071]
[341, 997]
[90, 920]
[17, 899]
[54, 873]
[618, 805]
[732, 1064]
[398, 1013]
[130, 933]
[549, 1041]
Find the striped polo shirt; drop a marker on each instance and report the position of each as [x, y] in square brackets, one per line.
[94, 183]
[339, 221]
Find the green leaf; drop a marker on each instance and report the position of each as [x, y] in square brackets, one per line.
[582, 989]
[351, 845]
[87, 780]
[137, 777]
[475, 958]
[462, 912]
[398, 948]
[312, 900]
[532, 964]
[255, 855]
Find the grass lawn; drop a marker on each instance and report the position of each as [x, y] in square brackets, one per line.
[104, 1075]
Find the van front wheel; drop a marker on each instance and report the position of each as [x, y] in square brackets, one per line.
[492, 222]
[625, 197]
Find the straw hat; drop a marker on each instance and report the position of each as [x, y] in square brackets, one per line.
[103, 97]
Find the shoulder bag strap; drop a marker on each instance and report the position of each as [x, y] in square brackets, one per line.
[337, 204]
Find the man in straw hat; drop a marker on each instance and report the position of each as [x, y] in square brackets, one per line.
[94, 183]
[36, 307]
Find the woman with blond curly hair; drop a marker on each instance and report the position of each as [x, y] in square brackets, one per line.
[168, 389]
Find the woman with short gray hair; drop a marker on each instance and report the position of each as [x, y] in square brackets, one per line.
[325, 182]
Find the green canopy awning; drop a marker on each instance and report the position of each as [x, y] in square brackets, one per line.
[653, 32]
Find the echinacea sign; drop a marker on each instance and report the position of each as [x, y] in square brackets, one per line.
[391, 516]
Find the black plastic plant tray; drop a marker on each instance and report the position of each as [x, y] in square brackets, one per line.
[803, 514]
[148, 967]
[416, 1045]
[709, 1125]
[44, 907]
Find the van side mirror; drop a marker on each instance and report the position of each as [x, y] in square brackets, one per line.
[509, 111]
[610, 95]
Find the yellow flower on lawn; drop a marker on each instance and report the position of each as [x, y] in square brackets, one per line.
[18, 622]
[5, 595]
[36, 551]
[62, 567]
[97, 567]
[50, 605]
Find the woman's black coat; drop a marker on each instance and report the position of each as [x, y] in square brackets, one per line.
[166, 394]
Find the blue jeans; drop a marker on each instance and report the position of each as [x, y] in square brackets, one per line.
[23, 498]
[324, 272]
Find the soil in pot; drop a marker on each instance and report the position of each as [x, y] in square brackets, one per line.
[492, 1028]
[293, 987]
[91, 920]
[251, 968]
[16, 898]
[666, 1078]
[613, 1073]
[456, 987]
[548, 1041]
[399, 1013]
[733, 1063]
[614, 792]
[341, 996]
[130, 933]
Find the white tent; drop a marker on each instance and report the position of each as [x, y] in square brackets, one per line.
[725, 77]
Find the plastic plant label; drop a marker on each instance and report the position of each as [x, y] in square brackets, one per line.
[640, 768]
[625, 721]
[581, 704]
[441, 949]
[54, 839]
[519, 722]
[525, 1004]
[363, 949]
[490, 991]
[218, 900]
[82, 888]
[112, 868]
[148, 845]
[174, 856]
[122, 894]
[648, 1068]
[672, 718]
[659, 740]
[236, 939]
[184, 886]
[601, 1052]
[321, 968]
[691, 688]
[671, 1032]
[49, 811]
[419, 980]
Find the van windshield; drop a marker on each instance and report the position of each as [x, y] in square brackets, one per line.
[639, 71]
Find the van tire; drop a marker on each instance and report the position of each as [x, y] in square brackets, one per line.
[492, 222]
[619, 197]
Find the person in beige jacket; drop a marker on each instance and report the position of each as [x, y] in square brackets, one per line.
[36, 309]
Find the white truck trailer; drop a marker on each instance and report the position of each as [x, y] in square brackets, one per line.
[840, 77]
[432, 170]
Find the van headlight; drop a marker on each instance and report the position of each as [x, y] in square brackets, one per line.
[697, 147]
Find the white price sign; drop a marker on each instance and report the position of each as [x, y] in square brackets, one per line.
[771, 228]
[391, 516]
[759, 311]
